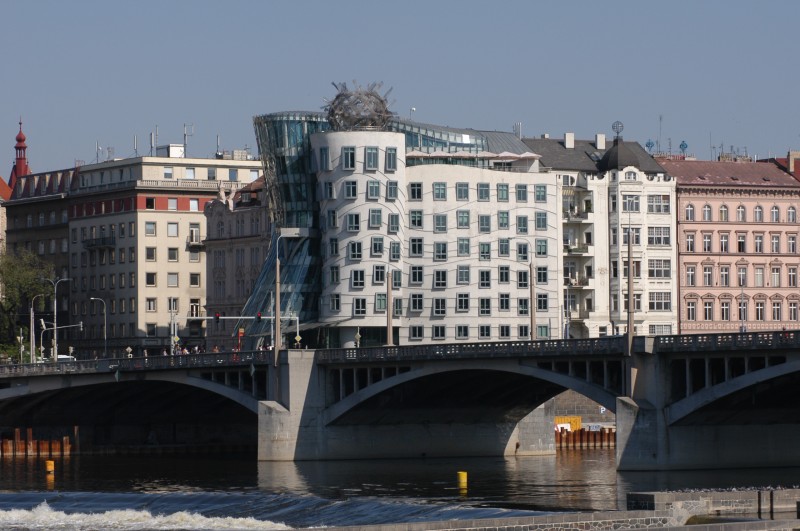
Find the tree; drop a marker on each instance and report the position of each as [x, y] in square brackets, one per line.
[20, 280]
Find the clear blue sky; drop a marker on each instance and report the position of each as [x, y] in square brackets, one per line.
[80, 72]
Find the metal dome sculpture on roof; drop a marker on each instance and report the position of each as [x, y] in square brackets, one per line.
[359, 108]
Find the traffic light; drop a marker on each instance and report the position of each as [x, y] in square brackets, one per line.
[216, 317]
[258, 317]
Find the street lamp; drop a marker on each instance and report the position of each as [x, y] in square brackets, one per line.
[32, 333]
[105, 326]
[277, 339]
[55, 284]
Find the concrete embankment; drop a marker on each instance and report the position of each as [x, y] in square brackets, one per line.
[700, 511]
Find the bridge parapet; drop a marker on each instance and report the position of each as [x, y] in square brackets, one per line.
[606, 346]
[738, 341]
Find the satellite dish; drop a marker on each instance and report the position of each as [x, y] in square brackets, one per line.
[617, 127]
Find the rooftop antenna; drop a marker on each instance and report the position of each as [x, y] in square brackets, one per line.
[97, 149]
[152, 143]
[658, 141]
[135, 146]
[218, 151]
[411, 113]
[188, 130]
[156, 137]
[518, 130]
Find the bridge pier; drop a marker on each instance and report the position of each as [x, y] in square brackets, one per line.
[297, 428]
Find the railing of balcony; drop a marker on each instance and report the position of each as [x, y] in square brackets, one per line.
[105, 241]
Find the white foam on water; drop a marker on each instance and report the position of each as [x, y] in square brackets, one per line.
[43, 518]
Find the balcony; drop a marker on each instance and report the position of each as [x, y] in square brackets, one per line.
[576, 315]
[571, 248]
[576, 215]
[196, 312]
[106, 242]
[576, 282]
[194, 240]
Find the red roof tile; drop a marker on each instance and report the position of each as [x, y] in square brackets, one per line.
[703, 172]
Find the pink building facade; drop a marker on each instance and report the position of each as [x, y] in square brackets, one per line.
[738, 258]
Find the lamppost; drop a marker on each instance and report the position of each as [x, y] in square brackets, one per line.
[277, 340]
[105, 326]
[55, 284]
[32, 333]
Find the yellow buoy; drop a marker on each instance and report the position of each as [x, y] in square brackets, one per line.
[50, 466]
[462, 481]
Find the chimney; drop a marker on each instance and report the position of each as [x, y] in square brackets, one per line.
[792, 156]
[545, 135]
[569, 140]
[600, 141]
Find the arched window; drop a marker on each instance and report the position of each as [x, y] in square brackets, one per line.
[723, 213]
[792, 215]
[775, 214]
[689, 212]
[758, 214]
[707, 213]
[740, 213]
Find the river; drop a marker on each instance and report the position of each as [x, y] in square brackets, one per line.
[237, 492]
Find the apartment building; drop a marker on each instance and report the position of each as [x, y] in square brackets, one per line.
[128, 234]
[737, 246]
[610, 191]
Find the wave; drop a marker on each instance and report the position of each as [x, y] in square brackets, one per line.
[43, 517]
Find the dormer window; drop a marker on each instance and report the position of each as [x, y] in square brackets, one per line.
[630, 175]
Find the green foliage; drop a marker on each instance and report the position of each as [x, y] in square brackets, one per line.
[20, 278]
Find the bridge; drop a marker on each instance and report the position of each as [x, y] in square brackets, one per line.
[694, 401]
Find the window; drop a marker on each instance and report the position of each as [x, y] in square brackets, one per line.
[522, 252]
[706, 243]
[541, 221]
[502, 192]
[440, 278]
[776, 243]
[658, 236]
[758, 214]
[759, 243]
[438, 332]
[541, 302]
[504, 302]
[504, 331]
[484, 278]
[415, 247]
[540, 193]
[630, 176]
[439, 307]
[502, 219]
[380, 302]
[440, 251]
[415, 219]
[333, 220]
[630, 203]
[462, 192]
[335, 302]
[172, 254]
[334, 274]
[691, 311]
[760, 311]
[150, 279]
[636, 235]
[462, 302]
[742, 274]
[743, 310]
[541, 247]
[376, 247]
[350, 189]
[483, 191]
[484, 331]
[194, 280]
[522, 279]
[353, 222]
[354, 250]
[375, 218]
[440, 223]
[791, 215]
[776, 277]
[707, 276]
[485, 306]
[463, 246]
[503, 247]
[724, 276]
[522, 193]
[485, 223]
[172, 280]
[391, 159]
[659, 268]
[485, 251]
[333, 246]
[439, 191]
[394, 223]
[660, 301]
[792, 276]
[357, 278]
[775, 214]
[391, 190]
[522, 225]
[723, 213]
[168, 172]
[462, 274]
[793, 315]
[708, 311]
[416, 302]
[150, 254]
[324, 159]
[359, 306]
[371, 158]
[740, 243]
[707, 213]
[373, 189]
[725, 310]
[723, 243]
[349, 159]
[688, 212]
[415, 191]
[791, 244]
[759, 277]
[172, 230]
[150, 228]
[658, 204]
[416, 332]
[523, 306]
[233, 174]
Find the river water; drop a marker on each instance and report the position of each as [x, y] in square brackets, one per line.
[237, 492]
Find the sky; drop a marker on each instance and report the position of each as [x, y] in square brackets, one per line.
[85, 73]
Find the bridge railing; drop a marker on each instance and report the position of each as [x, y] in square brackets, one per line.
[504, 349]
[731, 341]
[208, 359]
